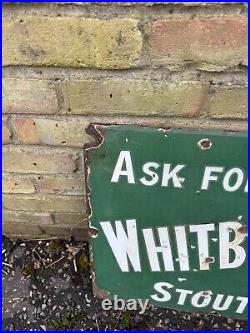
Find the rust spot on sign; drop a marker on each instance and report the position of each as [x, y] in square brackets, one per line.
[204, 144]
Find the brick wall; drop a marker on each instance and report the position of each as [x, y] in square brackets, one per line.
[66, 65]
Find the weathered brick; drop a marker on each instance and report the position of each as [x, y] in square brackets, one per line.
[71, 219]
[40, 160]
[79, 233]
[43, 231]
[71, 42]
[28, 96]
[57, 184]
[6, 132]
[212, 44]
[44, 203]
[69, 132]
[130, 97]
[23, 230]
[150, 4]
[12, 183]
[60, 185]
[229, 102]
[10, 216]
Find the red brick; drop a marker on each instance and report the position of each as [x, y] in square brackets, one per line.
[209, 43]
[60, 132]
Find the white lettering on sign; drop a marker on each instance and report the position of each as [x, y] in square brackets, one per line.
[125, 247]
[169, 175]
[124, 158]
[154, 178]
[210, 174]
[124, 167]
[172, 174]
[226, 245]
[203, 247]
[198, 299]
[164, 249]
[232, 180]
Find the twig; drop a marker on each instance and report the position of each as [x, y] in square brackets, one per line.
[55, 262]
[75, 267]
[4, 272]
[6, 264]
[38, 239]
[98, 328]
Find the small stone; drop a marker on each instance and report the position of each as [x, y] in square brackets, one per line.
[201, 324]
[230, 321]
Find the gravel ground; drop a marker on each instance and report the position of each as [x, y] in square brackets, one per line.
[47, 286]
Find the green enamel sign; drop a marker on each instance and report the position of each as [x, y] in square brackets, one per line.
[170, 212]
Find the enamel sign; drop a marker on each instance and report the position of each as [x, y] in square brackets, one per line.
[169, 217]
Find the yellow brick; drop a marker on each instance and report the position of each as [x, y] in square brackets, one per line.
[40, 160]
[229, 102]
[135, 97]
[71, 42]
